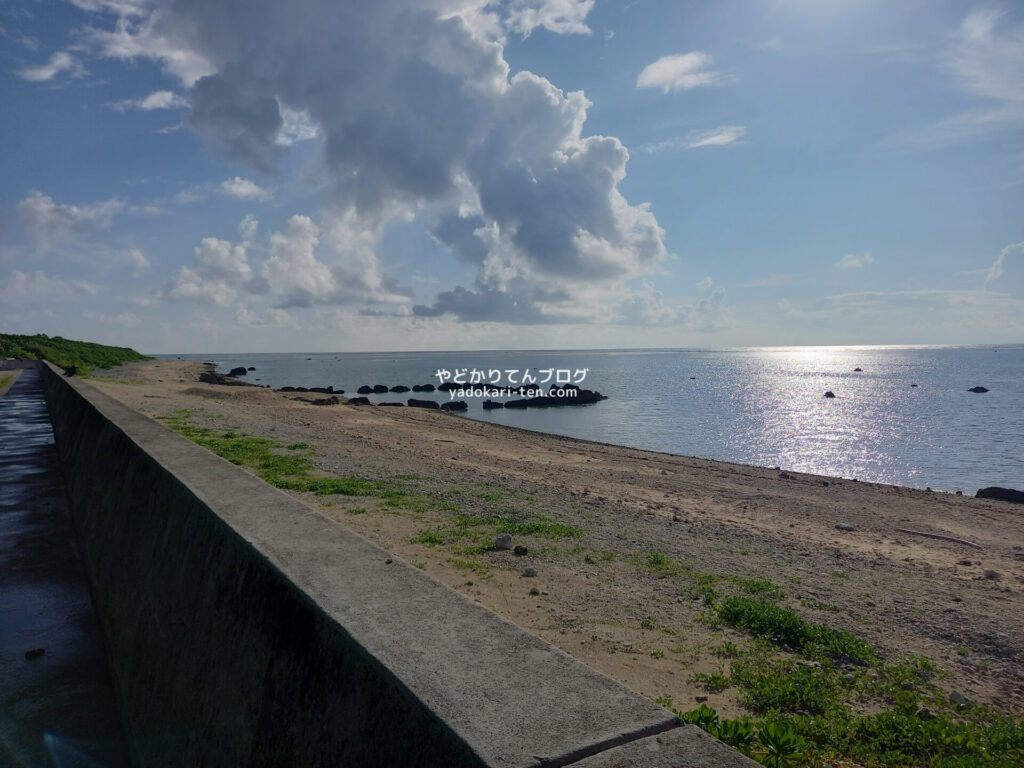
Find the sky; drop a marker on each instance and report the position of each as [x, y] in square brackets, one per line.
[330, 175]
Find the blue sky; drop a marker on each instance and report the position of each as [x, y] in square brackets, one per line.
[445, 174]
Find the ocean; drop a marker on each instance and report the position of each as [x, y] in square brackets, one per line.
[761, 406]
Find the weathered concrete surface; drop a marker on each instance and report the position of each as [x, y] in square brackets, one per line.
[686, 747]
[56, 707]
[246, 629]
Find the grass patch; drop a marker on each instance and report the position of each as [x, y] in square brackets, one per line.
[811, 713]
[782, 626]
[712, 683]
[477, 532]
[5, 380]
[786, 685]
[727, 650]
[289, 468]
[479, 567]
[801, 720]
[706, 585]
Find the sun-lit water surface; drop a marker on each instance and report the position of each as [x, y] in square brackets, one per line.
[762, 406]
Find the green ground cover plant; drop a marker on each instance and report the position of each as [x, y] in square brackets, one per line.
[289, 467]
[84, 355]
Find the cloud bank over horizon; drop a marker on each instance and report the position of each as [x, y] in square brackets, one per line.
[459, 172]
[418, 116]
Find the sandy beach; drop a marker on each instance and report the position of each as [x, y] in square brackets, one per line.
[626, 542]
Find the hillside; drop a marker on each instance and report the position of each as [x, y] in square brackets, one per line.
[84, 355]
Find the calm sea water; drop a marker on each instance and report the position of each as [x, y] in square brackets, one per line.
[761, 406]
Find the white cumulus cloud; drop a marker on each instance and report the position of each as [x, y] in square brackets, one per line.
[48, 223]
[560, 16]
[244, 189]
[61, 61]
[293, 267]
[418, 117]
[680, 72]
[153, 101]
[248, 227]
[27, 287]
[855, 260]
[137, 259]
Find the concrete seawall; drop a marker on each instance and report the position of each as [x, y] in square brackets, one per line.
[246, 629]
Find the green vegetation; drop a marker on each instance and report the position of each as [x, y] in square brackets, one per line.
[712, 683]
[288, 467]
[4, 381]
[783, 627]
[897, 737]
[705, 585]
[811, 710]
[475, 533]
[819, 696]
[84, 355]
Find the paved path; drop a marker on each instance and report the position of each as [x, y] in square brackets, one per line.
[56, 708]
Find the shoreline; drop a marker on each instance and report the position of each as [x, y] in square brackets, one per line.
[850, 439]
[606, 595]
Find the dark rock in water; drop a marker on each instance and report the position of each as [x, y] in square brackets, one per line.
[978, 390]
[423, 388]
[251, 368]
[240, 371]
[414, 403]
[858, 370]
[1001, 494]
[365, 390]
[35, 653]
[913, 385]
[71, 370]
[450, 386]
[327, 401]
[322, 390]
[400, 388]
[693, 378]
[212, 377]
[379, 389]
[490, 405]
[558, 397]
[402, 405]
[359, 401]
[457, 405]
[830, 394]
